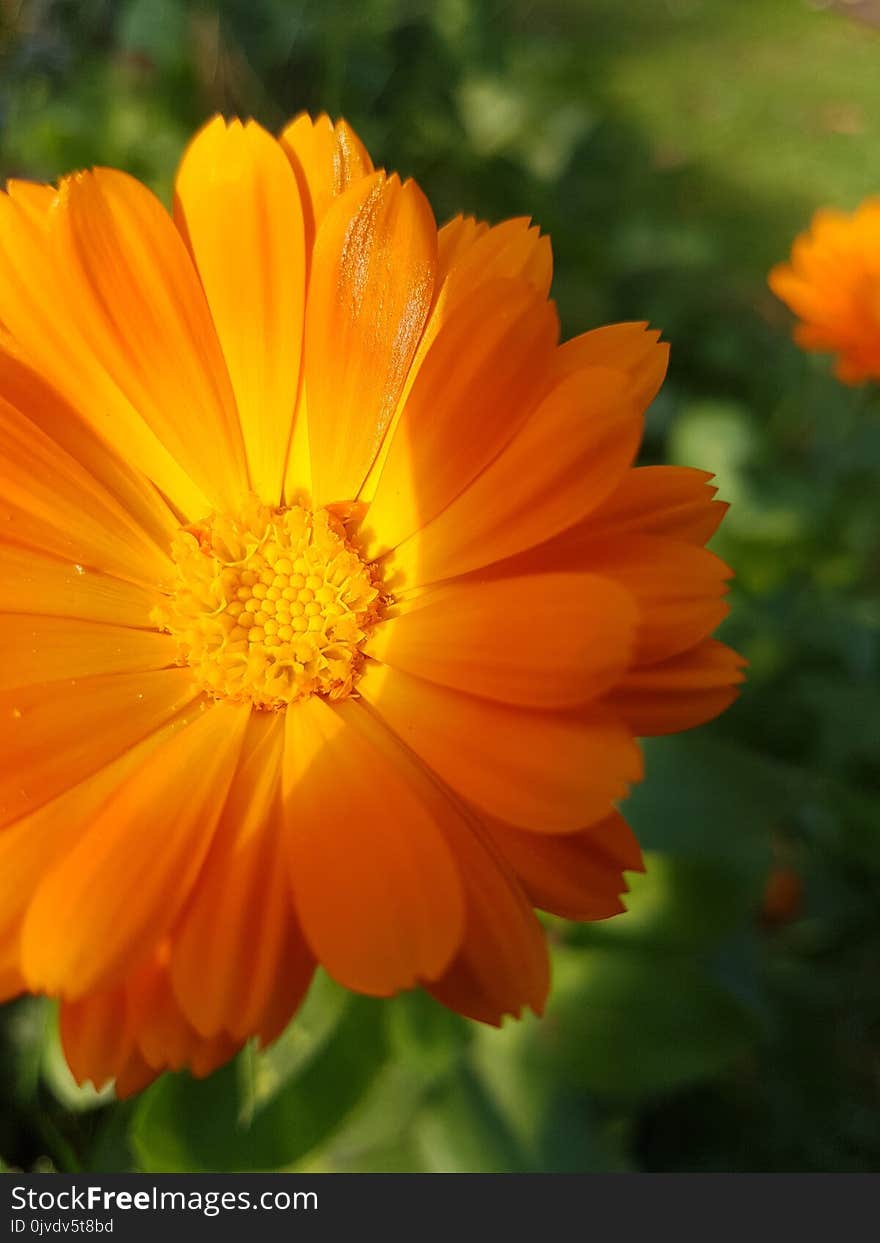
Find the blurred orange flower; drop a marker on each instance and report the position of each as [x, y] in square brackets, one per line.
[331, 600]
[833, 285]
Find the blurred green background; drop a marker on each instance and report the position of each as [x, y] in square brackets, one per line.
[672, 148]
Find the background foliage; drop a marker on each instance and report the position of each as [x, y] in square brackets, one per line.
[672, 148]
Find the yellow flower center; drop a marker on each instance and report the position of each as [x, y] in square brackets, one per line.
[271, 605]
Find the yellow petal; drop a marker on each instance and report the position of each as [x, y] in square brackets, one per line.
[38, 650]
[369, 293]
[326, 160]
[34, 582]
[238, 207]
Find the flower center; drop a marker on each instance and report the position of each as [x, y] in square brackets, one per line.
[270, 606]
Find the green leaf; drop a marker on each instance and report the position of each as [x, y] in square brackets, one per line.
[847, 715]
[460, 1131]
[679, 903]
[156, 29]
[378, 1134]
[556, 1128]
[718, 436]
[424, 1034]
[264, 1073]
[630, 1022]
[708, 799]
[30, 1021]
[224, 1124]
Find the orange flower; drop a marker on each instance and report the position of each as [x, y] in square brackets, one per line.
[833, 285]
[331, 602]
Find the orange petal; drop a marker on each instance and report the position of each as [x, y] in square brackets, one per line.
[470, 253]
[39, 841]
[50, 501]
[474, 389]
[81, 930]
[133, 1077]
[687, 690]
[34, 198]
[661, 500]
[454, 241]
[548, 771]
[678, 588]
[53, 736]
[804, 298]
[32, 582]
[35, 650]
[38, 405]
[238, 207]
[147, 323]
[133, 1030]
[575, 875]
[12, 983]
[71, 339]
[546, 641]
[369, 293]
[238, 960]
[563, 462]
[164, 1038]
[96, 1035]
[503, 965]
[632, 348]
[377, 892]
[326, 160]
